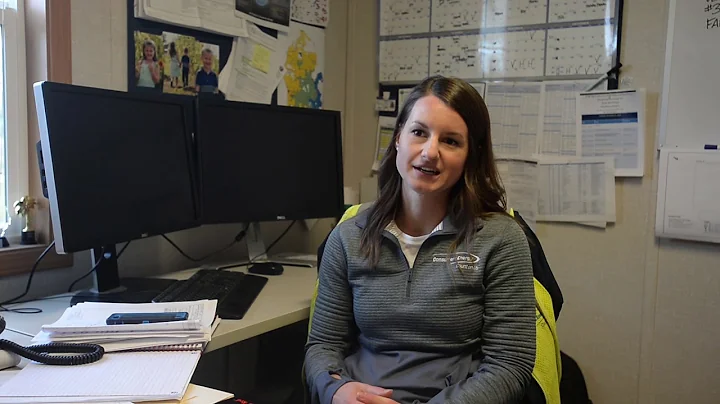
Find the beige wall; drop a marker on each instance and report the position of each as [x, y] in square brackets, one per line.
[640, 317]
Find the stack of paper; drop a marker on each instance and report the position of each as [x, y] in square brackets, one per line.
[86, 323]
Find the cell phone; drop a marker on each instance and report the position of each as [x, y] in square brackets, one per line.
[145, 318]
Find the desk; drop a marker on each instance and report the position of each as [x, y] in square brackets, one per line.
[284, 300]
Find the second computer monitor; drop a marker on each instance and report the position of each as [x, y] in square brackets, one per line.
[261, 162]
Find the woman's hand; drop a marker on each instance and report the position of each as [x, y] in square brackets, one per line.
[369, 398]
[351, 392]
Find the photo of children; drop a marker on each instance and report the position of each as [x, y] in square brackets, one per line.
[184, 58]
[149, 71]
[206, 80]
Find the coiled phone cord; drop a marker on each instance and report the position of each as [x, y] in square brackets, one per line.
[87, 353]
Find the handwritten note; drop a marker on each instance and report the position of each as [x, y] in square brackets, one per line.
[712, 14]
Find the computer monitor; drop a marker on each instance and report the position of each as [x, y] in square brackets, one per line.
[119, 166]
[264, 163]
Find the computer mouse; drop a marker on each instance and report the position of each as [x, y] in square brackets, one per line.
[266, 268]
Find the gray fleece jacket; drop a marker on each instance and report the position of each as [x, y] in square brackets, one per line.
[456, 328]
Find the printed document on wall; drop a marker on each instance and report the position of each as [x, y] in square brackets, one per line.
[688, 205]
[209, 15]
[184, 13]
[612, 123]
[315, 12]
[514, 116]
[559, 134]
[254, 68]
[386, 126]
[520, 179]
[219, 16]
[576, 189]
[403, 94]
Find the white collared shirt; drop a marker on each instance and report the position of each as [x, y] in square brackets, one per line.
[410, 245]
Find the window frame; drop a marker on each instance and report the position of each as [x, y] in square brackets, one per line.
[48, 57]
[12, 18]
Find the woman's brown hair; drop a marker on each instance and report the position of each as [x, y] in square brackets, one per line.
[477, 194]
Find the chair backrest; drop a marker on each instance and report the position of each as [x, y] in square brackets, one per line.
[541, 267]
[545, 386]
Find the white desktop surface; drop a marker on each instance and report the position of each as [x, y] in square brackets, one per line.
[284, 300]
[7, 374]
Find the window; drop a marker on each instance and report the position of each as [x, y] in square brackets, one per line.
[13, 114]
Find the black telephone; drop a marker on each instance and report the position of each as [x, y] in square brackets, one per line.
[87, 353]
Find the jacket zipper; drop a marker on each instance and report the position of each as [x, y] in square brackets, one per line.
[409, 279]
[408, 284]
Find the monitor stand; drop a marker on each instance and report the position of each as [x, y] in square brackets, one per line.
[255, 244]
[109, 288]
[257, 253]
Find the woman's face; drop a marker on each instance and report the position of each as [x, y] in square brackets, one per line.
[432, 148]
[149, 52]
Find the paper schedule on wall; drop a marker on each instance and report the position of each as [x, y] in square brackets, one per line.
[576, 189]
[398, 17]
[520, 179]
[612, 123]
[559, 135]
[526, 39]
[688, 205]
[404, 60]
[456, 15]
[514, 116]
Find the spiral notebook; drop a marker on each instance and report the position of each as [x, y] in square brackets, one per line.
[121, 376]
[163, 348]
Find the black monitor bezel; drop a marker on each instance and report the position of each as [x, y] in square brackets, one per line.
[41, 91]
[242, 217]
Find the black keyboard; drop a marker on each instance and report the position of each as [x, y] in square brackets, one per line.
[234, 291]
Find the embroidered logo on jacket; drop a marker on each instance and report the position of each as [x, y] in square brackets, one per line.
[462, 260]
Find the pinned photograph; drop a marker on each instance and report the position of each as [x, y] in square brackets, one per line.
[149, 66]
[191, 66]
[206, 78]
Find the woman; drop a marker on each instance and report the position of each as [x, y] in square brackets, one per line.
[427, 296]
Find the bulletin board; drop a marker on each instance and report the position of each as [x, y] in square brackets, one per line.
[200, 38]
[483, 40]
